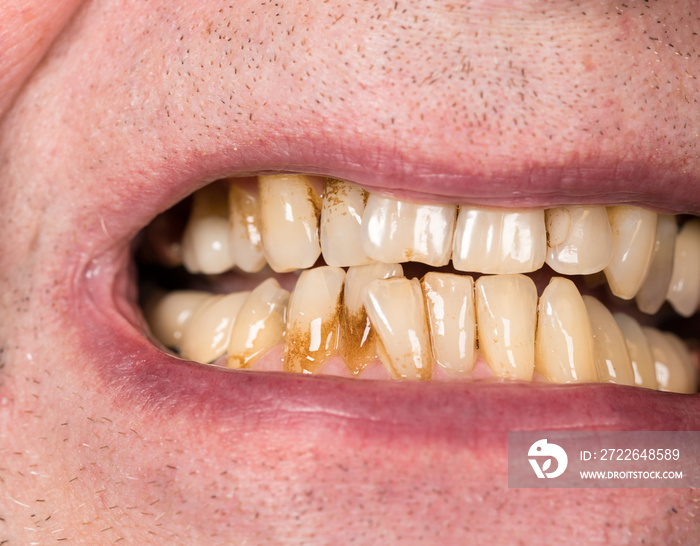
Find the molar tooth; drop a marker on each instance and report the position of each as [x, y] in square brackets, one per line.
[397, 311]
[506, 311]
[450, 303]
[493, 241]
[673, 365]
[290, 208]
[564, 341]
[633, 232]
[579, 240]
[652, 294]
[246, 233]
[398, 231]
[341, 224]
[639, 351]
[684, 290]
[610, 349]
[313, 319]
[169, 314]
[259, 325]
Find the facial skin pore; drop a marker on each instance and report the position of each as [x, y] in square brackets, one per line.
[135, 105]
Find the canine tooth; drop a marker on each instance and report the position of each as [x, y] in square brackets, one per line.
[341, 224]
[506, 311]
[610, 349]
[493, 241]
[313, 319]
[564, 341]
[358, 341]
[652, 294]
[169, 314]
[290, 208]
[639, 351]
[684, 290]
[396, 231]
[450, 303]
[396, 309]
[246, 234]
[579, 240]
[259, 325]
[208, 331]
[674, 370]
[633, 232]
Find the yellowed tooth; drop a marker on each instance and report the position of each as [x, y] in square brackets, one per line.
[313, 319]
[564, 341]
[168, 314]
[396, 231]
[450, 303]
[506, 311]
[610, 349]
[341, 224]
[259, 325]
[208, 332]
[358, 339]
[499, 241]
[290, 208]
[638, 350]
[579, 240]
[652, 294]
[684, 290]
[674, 370]
[246, 231]
[634, 233]
[397, 311]
[690, 363]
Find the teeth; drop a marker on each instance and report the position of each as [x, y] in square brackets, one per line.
[579, 240]
[168, 315]
[205, 241]
[673, 365]
[246, 234]
[639, 351]
[398, 231]
[259, 325]
[450, 302]
[610, 349]
[652, 294]
[208, 332]
[290, 208]
[506, 311]
[684, 290]
[397, 311]
[564, 341]
[358, 338]
[341, 224]
[491, 241]
[313, 319]
[634, 233]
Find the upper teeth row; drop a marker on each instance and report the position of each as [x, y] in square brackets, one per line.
[295, 218]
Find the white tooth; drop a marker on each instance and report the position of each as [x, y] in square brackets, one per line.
[169, 314]
[246, 233]
[341, 224]
[205, 241]
[208, 332]
[639, 351]
[633, 232]
[396, 310]
[313, 319]
[357, 337]
[259, 325]
[652, 294]
[684, 290]
[499, 241]
[674, 369]
[579, 240]
[450, 303]
[610, 349]
[564, 341]
[396, 231]
[506, 311]
[290, 208]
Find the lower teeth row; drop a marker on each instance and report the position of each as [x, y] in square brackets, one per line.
[443, 326]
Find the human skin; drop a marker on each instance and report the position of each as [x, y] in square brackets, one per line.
[137, 104]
